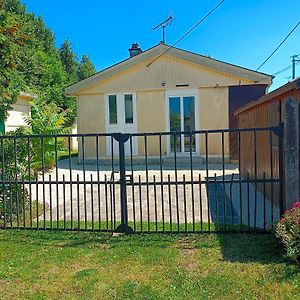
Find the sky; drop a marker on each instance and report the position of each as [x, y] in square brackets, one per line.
[243, 32]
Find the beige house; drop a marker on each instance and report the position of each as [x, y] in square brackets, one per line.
[15, 117]
[158, 90]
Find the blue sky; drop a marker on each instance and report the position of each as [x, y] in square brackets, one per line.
[240, 32]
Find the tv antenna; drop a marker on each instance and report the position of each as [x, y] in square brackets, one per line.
[163, 25]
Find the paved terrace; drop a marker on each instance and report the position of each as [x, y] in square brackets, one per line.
[208, 201]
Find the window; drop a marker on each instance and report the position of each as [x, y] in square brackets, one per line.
[113, 114]
[128, 109]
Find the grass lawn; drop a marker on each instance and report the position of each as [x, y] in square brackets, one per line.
[60, 265]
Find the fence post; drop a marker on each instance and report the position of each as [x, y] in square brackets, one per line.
[123, 227]
[291, 152]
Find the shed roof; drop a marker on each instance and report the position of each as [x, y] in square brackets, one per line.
[294, 84]
[175, 52]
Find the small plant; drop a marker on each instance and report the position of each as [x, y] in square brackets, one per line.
[288, 231]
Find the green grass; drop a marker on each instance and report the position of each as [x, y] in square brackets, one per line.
[138, 227]
[78, 265]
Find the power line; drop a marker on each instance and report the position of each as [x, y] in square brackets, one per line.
[187, 33]
[283, 70]
[279, 45]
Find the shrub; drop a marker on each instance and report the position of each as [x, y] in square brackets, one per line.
[46, 119]
[13, 169]
[288, 231]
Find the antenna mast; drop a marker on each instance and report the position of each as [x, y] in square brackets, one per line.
[163, 25]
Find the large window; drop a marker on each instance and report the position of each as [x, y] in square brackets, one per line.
[113, 113]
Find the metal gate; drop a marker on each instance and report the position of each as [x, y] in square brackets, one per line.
[174, 182]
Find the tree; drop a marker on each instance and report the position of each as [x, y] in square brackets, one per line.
[86, 68]
[14, 39]
[46, 120]
[30, 61]
[68, 59]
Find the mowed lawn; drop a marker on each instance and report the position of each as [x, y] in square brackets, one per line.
[60, 265]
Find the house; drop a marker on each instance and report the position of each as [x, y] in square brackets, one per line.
[164, 89]
[15, 117]
[266, 111]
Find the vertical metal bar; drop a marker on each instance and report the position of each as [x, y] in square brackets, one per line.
[255, 175]
[37, 201]
[98, 181]
[200, 202]
[231, 202]
[161, 183]
[176, 181]
[264, 203]
[147, 179]
[170, 202]
[111, 182]
[71, 181]
[155, 202]
[50, 196]
[132, 183]
[57, 187]
[123, 193]
[85, 209]
[192, 179]
[240, 180]
[223, 179]
[43, 179]
[216, 202]
[4, 184]
[140, 199]
[184, 203]
[84, 179]
[23, 203]
[207, 178]
[16, 182]
[10, 202]
[29, 179]
[92, 202]
[78, 202]
[113, 200]
[64, 200]
[106, 200]
[248, 199]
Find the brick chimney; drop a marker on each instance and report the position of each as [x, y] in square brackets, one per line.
[134, 50]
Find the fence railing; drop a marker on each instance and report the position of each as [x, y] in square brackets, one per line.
[141, 182]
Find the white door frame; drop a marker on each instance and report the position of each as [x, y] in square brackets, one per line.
[182, 93]
[121, 126]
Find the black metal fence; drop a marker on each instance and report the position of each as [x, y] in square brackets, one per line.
[142, 182]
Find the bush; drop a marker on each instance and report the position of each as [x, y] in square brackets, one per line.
[288, 231]
[13, 169]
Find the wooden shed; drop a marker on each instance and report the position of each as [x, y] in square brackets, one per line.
[259, 154]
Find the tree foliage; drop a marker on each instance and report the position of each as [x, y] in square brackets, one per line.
[30, 61]
[85, 68]
[68, 59]
[13, 40]
[48, 120]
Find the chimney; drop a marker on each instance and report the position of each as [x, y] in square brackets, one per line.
[135, 50]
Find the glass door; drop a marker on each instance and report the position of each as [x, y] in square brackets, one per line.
[182, 118]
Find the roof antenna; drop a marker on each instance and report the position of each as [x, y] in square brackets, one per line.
[163, 25]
